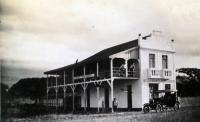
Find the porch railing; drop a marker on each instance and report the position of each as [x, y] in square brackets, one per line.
[104, 74]
[118, 72]
[133, 73]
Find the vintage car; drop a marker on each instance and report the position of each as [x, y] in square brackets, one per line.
[162, 100]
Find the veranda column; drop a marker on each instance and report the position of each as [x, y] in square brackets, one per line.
[47, 101]
[97, 88]
[64, 96]
[111, 94]
[111, 68]
[73, 91]
[56, 93]
[97, 98]
[97, 69]
[84, 88]
[111, 83]
[126, 66]
[56, 89]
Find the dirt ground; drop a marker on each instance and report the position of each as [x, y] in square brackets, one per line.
[187, 114]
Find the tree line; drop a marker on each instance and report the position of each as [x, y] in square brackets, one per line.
[188, 82]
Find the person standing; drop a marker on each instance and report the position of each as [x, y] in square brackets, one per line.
[115, 104]
[103, 106]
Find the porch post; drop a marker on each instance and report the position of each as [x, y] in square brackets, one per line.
[47, 101]
[73, 90]
[126, 66]
[64, 100]
[56, 93]
[111, 94]
[111, 68]
[64, 95]
[84, 89]
[111, 83]
[97, 69]
[97, 98]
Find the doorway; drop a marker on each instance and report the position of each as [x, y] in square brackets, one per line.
[129, 96]
[152, 88]
[88, 98]
[106, 94]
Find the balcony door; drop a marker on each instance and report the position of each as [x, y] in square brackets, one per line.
[129, 96]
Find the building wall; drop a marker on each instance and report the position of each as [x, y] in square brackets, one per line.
[120, 93]
[158, 45]
[158, 41]
[94, 102]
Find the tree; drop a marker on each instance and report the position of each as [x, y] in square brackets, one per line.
[4, 93]
[188, 84]
[33, 88]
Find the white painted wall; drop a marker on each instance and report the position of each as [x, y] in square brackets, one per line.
[158, 41]
[120, 92]
[93, 97]
[158, 45]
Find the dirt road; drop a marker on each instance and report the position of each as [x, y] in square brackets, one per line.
[189, 114]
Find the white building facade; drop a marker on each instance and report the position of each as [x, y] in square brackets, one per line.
[129, 72]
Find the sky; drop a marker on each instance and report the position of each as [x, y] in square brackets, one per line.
[36, 36]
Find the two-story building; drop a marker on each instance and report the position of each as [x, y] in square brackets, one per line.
[129, 72]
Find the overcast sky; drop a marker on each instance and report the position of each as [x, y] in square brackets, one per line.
[39, 35]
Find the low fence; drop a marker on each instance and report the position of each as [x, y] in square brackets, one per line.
[190, 101]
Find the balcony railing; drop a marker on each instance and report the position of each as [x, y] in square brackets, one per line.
[154, 73]
[118, 72]
[104, 74]
[159, 73]
[133, 73]
[166, 73]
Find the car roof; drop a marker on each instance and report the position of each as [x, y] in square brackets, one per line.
[162, 91]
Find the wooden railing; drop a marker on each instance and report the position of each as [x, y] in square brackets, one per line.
[104, 74]
[118, 72]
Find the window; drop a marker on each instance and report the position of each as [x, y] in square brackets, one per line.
[167, 86]
[164, 61]
[151, 60]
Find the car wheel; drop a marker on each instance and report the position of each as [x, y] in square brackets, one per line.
[176, 106]
[146, 109]
[158, 108]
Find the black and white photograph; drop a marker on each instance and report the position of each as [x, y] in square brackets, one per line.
[100, 60]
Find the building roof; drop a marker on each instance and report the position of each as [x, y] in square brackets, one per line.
[104, 54]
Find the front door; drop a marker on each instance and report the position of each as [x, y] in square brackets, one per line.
[129, 96]
[152, 88]
[88, 97]
[106, 94]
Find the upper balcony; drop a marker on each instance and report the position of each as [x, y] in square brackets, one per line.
[118, 72]
[125, 68]
[119, 68]
[159, 73]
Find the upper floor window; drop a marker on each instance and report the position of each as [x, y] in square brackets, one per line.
[164, 61]
[151, 60]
